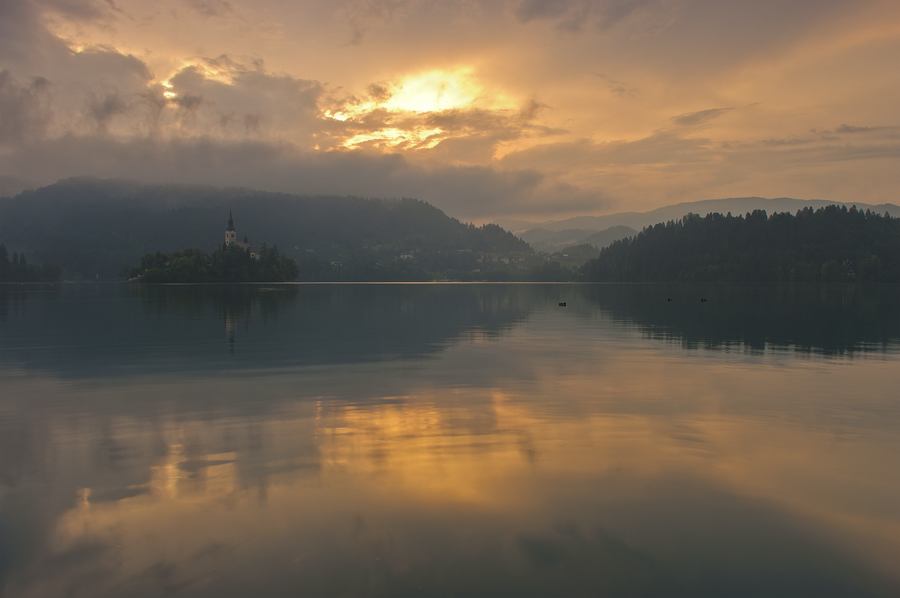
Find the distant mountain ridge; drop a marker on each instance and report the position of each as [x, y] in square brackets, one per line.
[638, 220]
[542, 239]
[93, 228]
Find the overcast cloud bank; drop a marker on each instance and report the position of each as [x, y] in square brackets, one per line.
[604, 128]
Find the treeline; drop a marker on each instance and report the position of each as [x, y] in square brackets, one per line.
[18, 269]
[227, 264]
[831, 244]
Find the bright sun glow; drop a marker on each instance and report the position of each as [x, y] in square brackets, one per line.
[349, 112]
[434, 91]
[168, 93]
[421, 138]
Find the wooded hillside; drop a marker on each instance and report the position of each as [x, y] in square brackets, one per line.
[830, 244]
[93, 227]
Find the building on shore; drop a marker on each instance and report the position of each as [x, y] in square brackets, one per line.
[231, 237]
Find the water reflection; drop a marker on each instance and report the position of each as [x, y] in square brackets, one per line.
[119, 330]
[536, 451]
[106, 330]
[831, 319]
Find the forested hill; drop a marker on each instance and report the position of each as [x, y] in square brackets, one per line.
[831, 244]
[94, 227]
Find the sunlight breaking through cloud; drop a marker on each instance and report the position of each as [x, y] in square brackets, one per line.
[434, 91]
[404, 109]
[635, 106]
[423, 138]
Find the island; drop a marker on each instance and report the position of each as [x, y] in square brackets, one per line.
[234, 261]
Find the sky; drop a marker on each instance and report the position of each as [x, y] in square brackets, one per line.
[488, 109]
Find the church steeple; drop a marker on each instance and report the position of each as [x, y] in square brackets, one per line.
[229, 232]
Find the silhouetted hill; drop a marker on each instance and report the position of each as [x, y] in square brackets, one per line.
[95, 227]
[603, 238]
[542, 239]
[829, 245]
[735, 205]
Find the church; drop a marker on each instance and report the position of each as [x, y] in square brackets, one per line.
[231, 237]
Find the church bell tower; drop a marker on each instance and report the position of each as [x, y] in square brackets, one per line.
[229, 232]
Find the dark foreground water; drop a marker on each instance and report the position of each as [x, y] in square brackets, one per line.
[449, 440]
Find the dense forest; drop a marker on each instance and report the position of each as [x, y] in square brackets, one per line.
[831, 244]
[93, 228]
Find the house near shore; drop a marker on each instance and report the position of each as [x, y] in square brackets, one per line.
[231, 237]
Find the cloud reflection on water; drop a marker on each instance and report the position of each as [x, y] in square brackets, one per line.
[567, 454]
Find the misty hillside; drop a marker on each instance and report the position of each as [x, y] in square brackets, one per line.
[830, 244]
[542, 239]
[638, 220]
[94, 227]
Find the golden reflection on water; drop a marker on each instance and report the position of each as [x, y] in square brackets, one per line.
[185, 500]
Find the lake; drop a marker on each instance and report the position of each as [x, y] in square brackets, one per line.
[449, 440]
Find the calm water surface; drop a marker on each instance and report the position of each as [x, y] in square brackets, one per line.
[449, 440]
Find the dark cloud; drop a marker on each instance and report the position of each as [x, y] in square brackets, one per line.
[788, 142]
[251, 122]
[845, 129]
[660, 148]
[529, 10]
[24, 109]
[380, 92]
[82, 10]
[106, 64]
[467, 192]
[88, 88]
[572, 15]
[188, 102]
[692, 119]
[363, 15]
[24, 40]
[102, 108]
[212, 8]
[617, 88]
[226, 63]
[874, 135]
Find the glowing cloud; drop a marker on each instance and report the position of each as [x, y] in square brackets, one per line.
[434, 91]
[424, 138]
[405, 108]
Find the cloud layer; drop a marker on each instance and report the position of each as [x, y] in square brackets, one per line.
[486, 109]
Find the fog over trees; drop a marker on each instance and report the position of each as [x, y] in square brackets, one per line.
[93, 228]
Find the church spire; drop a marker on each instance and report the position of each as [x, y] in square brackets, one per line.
[229, 232]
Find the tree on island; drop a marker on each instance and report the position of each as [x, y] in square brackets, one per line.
[229, 263]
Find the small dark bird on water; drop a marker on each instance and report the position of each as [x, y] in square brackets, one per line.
[702, 300]
[669, 299]
[563, 304]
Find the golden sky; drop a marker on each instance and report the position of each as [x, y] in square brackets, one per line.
[487, 109]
